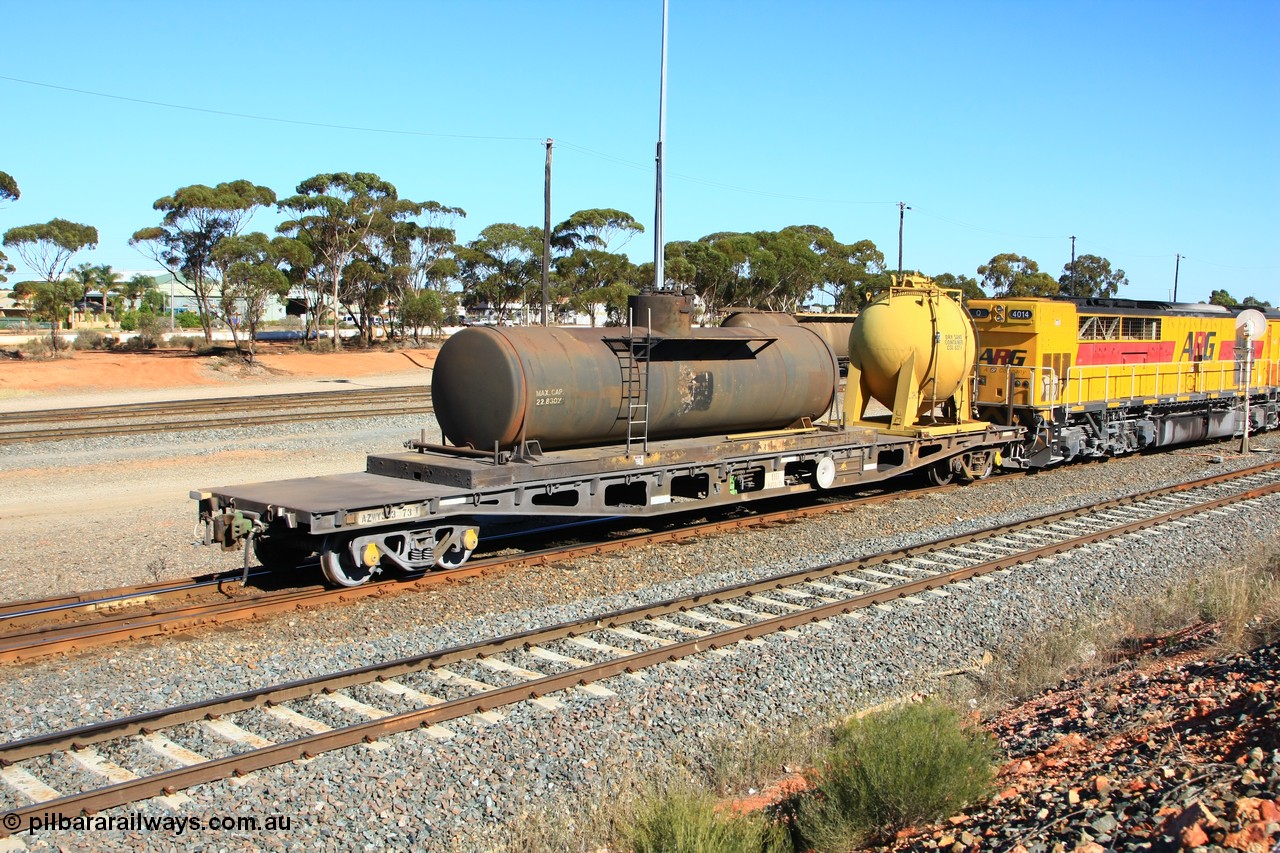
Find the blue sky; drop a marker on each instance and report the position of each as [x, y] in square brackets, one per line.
[1143, 128]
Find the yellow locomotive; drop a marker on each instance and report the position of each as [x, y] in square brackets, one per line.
[1103, 377]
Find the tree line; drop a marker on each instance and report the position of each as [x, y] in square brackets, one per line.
[351, 246]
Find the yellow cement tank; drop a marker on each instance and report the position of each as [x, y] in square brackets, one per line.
[918, 327]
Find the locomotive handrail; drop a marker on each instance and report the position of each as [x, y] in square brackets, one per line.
[1107, 383]
[1168, 379]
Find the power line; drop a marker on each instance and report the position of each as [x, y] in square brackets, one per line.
[275, 119]
[573, 146]
[989, 230]
[707, 182]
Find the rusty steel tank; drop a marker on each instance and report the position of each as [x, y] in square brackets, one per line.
[917, 324]
[833, 328]
[571, 387]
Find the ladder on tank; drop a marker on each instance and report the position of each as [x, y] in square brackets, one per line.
[633, 359]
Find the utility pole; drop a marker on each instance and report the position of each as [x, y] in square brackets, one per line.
[546, 235]
[1073, 259]
[1177, 261]
[903, 207]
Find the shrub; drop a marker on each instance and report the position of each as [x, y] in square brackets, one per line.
[684, 819]
[913, 764]
[150, 328]
[188, 320]
[39, 347]
[188, 342]
[87, 339]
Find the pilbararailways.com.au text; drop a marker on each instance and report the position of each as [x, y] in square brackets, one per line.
[138, 822]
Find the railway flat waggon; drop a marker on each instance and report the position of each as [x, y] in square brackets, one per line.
[656, 418]
[1101, 377]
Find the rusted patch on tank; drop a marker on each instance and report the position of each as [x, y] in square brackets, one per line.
[697, 388]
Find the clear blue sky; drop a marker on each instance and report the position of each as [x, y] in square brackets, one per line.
[1143, 128]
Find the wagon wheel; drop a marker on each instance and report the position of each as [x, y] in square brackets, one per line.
[940, 473]
[460, 551]
[281, 552]
[340, 568]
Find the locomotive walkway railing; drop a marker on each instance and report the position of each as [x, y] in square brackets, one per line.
[1042, 387]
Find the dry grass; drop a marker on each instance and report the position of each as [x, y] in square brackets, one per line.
[597, 820]
[1242, 602]
[760, 757]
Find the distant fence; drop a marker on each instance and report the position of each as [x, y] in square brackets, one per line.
[20, 325]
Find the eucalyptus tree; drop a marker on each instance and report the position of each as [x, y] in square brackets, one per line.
[849, 272]
[9, 188]
[500, 265]
[783, 270]
[8, 192]
[703, 268]
[335, 214]
[1016, 275]
[195, 219]
[416, 248]
[47, 249]
[589, 268]
[249, 265]
[422, 309]
[967, 285]
[1091, 275]
[364, 290]
[593, 279]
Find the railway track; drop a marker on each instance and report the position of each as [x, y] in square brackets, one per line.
[425, 692]
[210, 413]
[40, 627]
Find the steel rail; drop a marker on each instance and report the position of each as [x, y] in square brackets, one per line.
[168, 782]
[209, 413]
[125, 410]
[29, 642]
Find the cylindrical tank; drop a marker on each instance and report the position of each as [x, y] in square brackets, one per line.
[834, 329]
[754, 319]
[919, 320]
[568, 387]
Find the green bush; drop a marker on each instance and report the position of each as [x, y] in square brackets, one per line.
[683, 819]
[914, 764]
[188, 320]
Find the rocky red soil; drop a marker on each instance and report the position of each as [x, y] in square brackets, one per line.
[1175, 749]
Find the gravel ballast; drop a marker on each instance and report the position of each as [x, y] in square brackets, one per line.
[413, 791]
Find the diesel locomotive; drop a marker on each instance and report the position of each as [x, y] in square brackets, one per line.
[1100, 377]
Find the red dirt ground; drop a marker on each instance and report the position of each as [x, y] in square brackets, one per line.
[109, 371]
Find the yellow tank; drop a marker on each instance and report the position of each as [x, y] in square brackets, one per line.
[918, 327]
